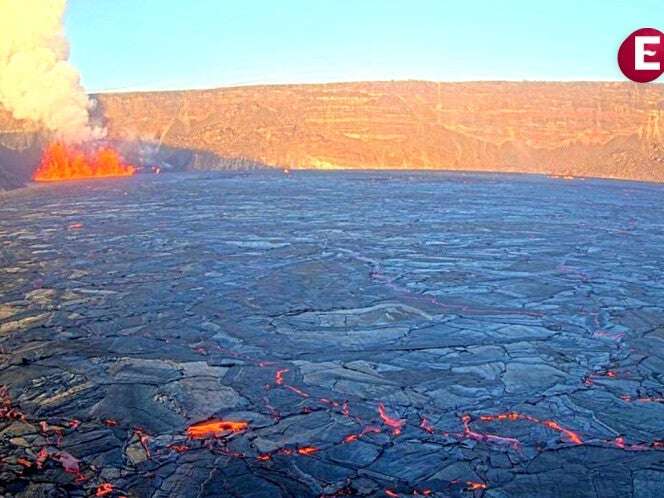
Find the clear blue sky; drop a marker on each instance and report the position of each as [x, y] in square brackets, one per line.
[172, 44]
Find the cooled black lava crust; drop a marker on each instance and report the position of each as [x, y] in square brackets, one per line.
[378, 333]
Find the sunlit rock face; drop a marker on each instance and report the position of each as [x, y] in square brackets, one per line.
[570, 129]
[582, 129]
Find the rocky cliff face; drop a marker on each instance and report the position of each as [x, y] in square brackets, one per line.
[588, 129]
[19, 155]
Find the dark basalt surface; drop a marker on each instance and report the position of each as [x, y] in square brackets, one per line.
[382, 334]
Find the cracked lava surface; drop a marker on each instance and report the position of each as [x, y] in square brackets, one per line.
[332, 334]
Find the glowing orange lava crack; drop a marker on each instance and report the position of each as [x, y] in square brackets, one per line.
[369, 429]
[396, 424]
[104, 489]
[144, 439]
[490, 438]
[307, 450]
[426, 426]
[569, 435]
[279, 376]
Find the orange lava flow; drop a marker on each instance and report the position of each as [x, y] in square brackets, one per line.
[62, 162]
[214, 428]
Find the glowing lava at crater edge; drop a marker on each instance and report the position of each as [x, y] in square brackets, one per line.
[63, 162]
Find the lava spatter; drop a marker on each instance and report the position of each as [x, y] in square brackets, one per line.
[62, 162]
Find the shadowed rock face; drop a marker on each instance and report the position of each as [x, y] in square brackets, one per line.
[19, 153]
[586, 129]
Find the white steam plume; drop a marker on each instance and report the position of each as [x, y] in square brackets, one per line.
[36, 80]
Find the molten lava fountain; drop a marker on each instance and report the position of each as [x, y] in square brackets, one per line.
[63, 162]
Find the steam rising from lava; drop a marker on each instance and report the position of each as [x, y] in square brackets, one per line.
[36, 80]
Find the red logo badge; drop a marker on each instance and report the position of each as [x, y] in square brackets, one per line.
[641, 55]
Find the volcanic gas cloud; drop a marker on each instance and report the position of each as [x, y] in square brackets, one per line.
[38, 83]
